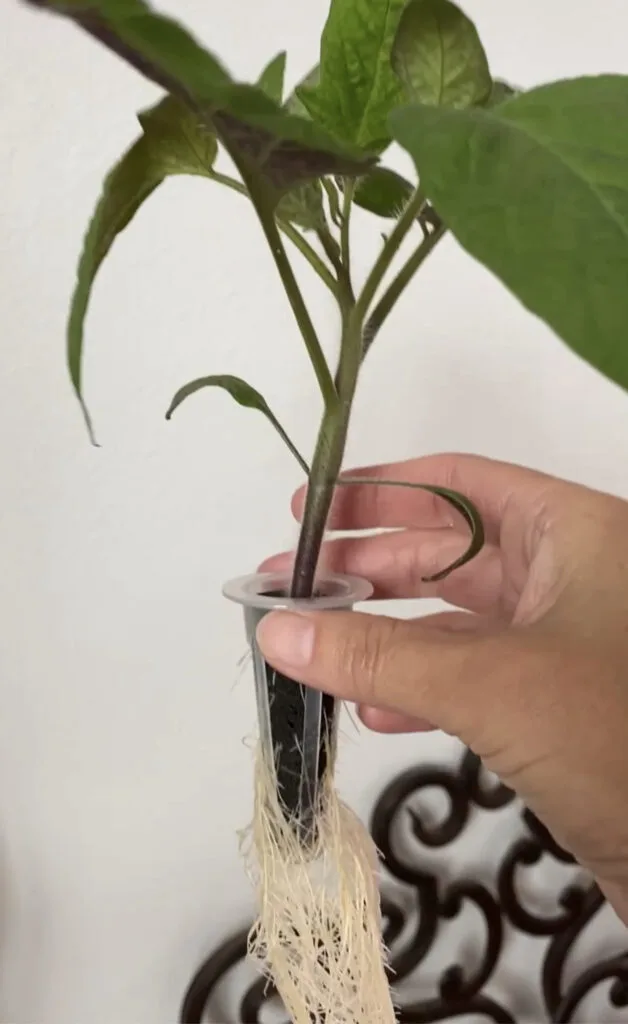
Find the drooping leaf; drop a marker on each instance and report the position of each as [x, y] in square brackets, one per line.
[282, 148]
[457, 501]
[303, 206]
[278, 147]
[357, 87]
[156, 45]
[438, 56]
[383, 192]
[172, 143]
[537, 190]
[244, 395]
[272, 78]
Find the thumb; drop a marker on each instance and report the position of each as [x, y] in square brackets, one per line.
[444, 668]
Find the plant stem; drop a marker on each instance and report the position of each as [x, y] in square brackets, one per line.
[345, 247]
[398, 285]
[311, 256]
[332, 438]
[330, 246]
[332, 199]
[290, 232]
[266, 214]
[327, 461]
[389, 250]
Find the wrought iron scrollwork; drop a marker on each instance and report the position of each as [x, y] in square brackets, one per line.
[418, 902]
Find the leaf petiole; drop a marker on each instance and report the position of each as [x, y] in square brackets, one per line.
[290, 232]
[388, 300]
[388, 252]
[345, 247]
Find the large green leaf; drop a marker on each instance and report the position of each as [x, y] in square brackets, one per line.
[173, 142]
[244, 395]
[438, 56]
[357, 87]
[272, 78]
[282, 148]
[537, 190]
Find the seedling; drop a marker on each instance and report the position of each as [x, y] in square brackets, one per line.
[534, 185]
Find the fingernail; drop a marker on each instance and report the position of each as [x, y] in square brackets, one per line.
[286, 638]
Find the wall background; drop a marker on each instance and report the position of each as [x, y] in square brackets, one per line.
[123, 776]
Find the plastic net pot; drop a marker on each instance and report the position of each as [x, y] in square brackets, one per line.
[297, 725]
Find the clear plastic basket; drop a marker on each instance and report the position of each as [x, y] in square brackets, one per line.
[297, 724]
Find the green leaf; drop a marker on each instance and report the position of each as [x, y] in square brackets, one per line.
[173, 143]
[276, 146]
[357, 88]
[500, 92]
[283, 148]
[244, 395]
[457, 501]
[272, 78]
[303, 206]
[438, 56]
[178, 141]
[294, 104]
[383, 192]
[537, 190]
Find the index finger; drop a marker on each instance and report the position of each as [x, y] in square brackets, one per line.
[492, 486]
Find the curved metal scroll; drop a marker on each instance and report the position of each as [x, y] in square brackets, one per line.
[417, 903]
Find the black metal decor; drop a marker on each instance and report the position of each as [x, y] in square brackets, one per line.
[417, 902]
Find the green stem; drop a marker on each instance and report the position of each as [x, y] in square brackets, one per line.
[398, 286]
[345, 248]
[344, 289]
[266, 215]
[311, 256]
[332, 200]
[388, 251]
[290, 232]
[332, 438]
[327, 461]
[330, 246]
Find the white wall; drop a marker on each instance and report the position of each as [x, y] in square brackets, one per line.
[123, 776]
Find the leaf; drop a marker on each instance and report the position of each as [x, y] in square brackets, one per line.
[272, 78]
[438, 56]
[501, 92]
[383, 192]
[303, 206]
[277, 146]
[293, 104]
[537, 190]
[458, 501]
[179, 142]
[281, 147]
[244, 395]
[172, 143]
[357, 88]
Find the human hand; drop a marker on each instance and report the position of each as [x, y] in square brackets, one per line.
[534, 681]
